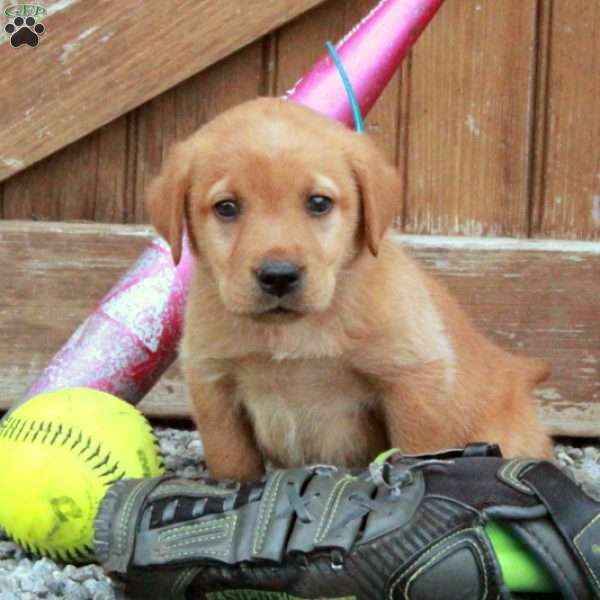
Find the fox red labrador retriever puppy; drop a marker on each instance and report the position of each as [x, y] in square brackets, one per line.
[310, 334]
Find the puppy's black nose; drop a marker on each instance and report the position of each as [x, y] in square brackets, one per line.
[278, 278]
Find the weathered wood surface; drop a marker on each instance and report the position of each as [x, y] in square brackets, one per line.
[471, 79]
[107, 171]
[536, 297]
[102, 177]
[567, 186]
[88, 179]
[492, 121]
[97, 61]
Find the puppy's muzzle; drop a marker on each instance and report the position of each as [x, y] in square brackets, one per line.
[278, 278]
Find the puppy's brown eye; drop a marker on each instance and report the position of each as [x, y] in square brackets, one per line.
[319, 205]
[227, 209]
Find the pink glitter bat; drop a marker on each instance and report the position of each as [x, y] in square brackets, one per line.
[131, 338]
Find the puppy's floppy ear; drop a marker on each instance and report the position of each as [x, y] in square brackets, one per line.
[165, 197]
[380, 190]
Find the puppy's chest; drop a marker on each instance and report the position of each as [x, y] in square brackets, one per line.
[307, 410]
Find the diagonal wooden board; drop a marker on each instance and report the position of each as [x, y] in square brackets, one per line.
[98, 60]
[534, 297]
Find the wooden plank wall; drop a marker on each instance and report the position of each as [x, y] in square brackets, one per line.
[96, 62]
[561, 280]
[493, 122]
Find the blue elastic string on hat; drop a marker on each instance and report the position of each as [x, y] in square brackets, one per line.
[358, 120]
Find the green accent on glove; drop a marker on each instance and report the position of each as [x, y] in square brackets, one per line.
[521, 572]
[381, 458]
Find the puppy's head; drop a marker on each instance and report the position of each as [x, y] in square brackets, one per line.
[277, 199]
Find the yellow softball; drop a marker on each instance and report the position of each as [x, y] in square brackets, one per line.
[59, 452]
